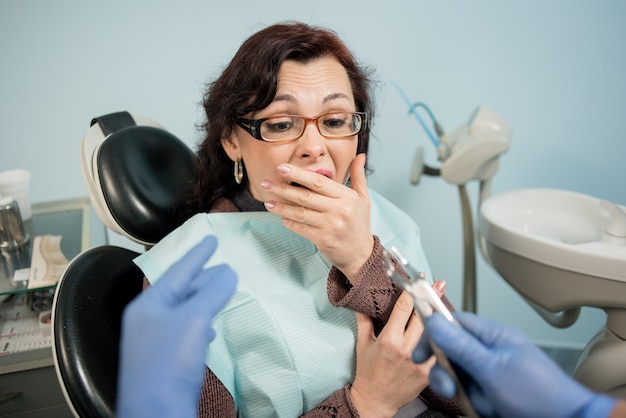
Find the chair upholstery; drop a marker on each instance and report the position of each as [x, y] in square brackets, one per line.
[87, 311]
[134, 171]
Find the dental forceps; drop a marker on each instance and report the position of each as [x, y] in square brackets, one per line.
[426, 302]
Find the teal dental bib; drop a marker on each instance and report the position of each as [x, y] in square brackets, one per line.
[281, 348]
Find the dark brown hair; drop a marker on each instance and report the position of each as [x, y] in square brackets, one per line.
[249, 83]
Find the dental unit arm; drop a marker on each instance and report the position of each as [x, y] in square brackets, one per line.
[471, 152]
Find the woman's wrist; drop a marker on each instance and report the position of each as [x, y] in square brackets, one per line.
[369, 407]
[353, 271]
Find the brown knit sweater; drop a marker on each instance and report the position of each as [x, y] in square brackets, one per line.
[374, 295]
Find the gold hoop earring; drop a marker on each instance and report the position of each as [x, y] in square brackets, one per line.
[238, 171]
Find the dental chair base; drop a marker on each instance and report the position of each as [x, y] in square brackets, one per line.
[601, 366]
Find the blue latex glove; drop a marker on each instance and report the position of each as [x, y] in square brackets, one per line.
[165, 334]
[504, 373]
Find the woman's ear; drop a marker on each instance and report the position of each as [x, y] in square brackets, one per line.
[231, 146]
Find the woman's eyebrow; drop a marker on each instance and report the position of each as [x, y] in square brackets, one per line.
[285, 98]
[335, 96]
[328, 98]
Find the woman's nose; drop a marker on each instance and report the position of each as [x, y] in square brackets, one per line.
[311, 144]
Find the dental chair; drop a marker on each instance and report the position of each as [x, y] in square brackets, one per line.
[134, 171]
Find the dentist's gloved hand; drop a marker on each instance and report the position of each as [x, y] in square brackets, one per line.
[504, 373]
[165, 334]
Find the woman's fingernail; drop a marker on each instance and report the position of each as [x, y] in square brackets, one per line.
[266, 184]
[270, 205]
[441, 285]
[363, 160]
[284, 169]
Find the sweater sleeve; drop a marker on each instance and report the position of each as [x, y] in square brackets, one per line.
[215, 400]
[374, 294]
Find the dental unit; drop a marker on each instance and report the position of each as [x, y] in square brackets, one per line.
[470, 152]
[559, 249]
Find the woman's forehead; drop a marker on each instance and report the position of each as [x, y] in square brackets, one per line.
[325, 78]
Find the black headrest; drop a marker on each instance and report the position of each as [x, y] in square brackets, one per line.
[136, 175]
[142, 172]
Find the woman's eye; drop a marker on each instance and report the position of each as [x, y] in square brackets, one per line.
[335, 123]
[278, 126]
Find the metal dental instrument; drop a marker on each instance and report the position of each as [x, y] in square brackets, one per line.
[426, 301]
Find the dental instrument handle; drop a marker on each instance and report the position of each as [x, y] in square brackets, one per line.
[426, 301]
[413, 274]
[461, 395]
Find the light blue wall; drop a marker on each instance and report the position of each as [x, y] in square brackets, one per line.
[556, 70]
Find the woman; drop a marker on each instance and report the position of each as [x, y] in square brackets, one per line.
[281, 172]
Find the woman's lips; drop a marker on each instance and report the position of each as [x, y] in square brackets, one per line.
[324, 173]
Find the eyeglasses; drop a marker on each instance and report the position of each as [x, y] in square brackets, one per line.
[285, 128]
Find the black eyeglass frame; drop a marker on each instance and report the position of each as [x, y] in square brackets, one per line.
[253, 126]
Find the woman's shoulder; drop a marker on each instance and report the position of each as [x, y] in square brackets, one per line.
[223, 204]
